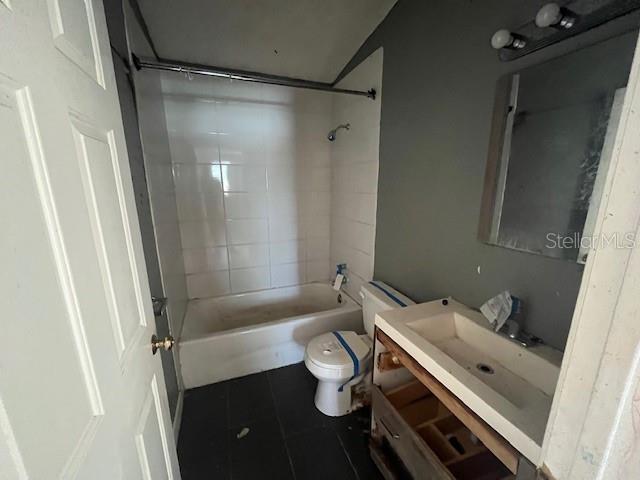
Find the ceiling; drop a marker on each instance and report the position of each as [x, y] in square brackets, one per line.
[310, 39]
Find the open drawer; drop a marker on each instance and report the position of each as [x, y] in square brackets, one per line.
[429, 439]
[434, 434]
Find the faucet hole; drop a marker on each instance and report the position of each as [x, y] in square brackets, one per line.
[484, 368]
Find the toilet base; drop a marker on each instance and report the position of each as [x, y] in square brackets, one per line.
[333, 403]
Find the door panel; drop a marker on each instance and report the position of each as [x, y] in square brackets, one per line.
[100, 173]
[151, 440]
[43, 287]
[76, 370]
[74, 33]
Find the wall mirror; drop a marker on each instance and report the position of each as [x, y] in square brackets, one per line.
[552, 137]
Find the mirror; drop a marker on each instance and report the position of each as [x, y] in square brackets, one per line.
[552, 137]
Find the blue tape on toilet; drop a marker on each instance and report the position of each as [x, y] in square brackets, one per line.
[354, 359]
[389, 294]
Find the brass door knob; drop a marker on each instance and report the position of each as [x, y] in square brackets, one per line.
[165, 343]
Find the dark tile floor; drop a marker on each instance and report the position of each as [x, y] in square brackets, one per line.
[288, 437]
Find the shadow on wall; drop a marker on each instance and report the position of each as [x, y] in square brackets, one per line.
[436, 117]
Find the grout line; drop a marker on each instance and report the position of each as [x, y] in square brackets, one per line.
[227, 244]
[286, 447]
[227, 432]
[344, 449]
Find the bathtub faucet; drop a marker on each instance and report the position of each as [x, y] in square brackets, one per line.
[341, 268]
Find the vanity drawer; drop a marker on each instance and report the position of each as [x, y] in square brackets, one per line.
[418, 458]
[429, 439]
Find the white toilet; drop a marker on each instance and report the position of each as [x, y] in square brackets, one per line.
[341, 360]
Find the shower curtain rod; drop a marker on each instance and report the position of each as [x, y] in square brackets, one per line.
[242, 75]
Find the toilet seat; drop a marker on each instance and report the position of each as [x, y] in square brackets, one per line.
[327, 358]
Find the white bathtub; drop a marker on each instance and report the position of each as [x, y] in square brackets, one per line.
[228, 337]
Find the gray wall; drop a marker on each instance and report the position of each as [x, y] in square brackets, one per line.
[438, 78]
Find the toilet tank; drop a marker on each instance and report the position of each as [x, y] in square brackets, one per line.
[378, 297]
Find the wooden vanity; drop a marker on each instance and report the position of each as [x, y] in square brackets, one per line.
[421, 430]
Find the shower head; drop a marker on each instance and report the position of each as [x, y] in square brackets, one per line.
[332, 134]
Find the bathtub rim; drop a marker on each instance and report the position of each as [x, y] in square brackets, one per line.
[352, 306]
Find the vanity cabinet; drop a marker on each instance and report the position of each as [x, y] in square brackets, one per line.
[420, 430]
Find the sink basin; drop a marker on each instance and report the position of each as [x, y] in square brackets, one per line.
[510, 387]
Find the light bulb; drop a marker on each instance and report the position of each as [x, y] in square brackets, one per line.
[502, 38]
[550, 14]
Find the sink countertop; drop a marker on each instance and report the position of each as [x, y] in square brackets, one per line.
[455, 344]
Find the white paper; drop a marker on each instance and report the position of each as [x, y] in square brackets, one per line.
[498, 309]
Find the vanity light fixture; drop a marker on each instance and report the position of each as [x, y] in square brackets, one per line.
[555, 23]
[553, 15]
[503, 38]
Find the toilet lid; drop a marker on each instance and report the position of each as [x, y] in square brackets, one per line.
[327, 352]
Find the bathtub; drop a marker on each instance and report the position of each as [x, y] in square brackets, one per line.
[232, 336]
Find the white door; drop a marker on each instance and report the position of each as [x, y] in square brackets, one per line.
[81, 395]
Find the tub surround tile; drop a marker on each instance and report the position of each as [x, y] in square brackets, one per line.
[205, 233]
[202, 178]
[319, 271]
[354, 177]
[282, 177]
[244, 118]
[234, 152]
[287, 252]
[201, 260]
[318, 248]
[245, 205]
[244, 178]
[196, 205]
[318, 447]
[318, 204]
[280, 151]
[249, 230]
[247, 256]
[320, 179]
[287, 274]
[251, 167]
[203, 285]
[160, 178]
[162, 196]
[194, 148]
[283, 229]
[319, 227]
[165, 210]
[250, 279]
[284, 204]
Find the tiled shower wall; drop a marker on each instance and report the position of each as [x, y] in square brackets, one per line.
[162, 195]
[354, 183]
[252, 174]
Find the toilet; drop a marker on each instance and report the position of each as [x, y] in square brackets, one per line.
[341, 360]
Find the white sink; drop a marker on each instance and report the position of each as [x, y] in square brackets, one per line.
[510, 387]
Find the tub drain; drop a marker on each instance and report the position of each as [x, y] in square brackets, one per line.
[484, 368]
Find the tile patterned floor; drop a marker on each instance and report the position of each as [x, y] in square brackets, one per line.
[288, 438]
